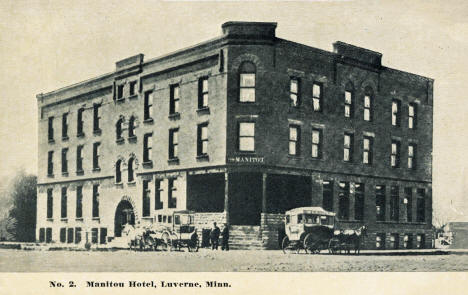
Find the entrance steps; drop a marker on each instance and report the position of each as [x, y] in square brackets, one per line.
[245, 237]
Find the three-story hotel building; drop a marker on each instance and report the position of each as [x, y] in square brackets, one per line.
[239, 129]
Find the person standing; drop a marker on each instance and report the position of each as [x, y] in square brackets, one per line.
[225, 240]
[214, 236]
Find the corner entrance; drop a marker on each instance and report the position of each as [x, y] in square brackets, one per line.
[123, 214]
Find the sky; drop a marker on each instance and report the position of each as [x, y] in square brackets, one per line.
[45, 45]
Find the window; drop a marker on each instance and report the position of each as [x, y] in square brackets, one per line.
[171, 198]
[148, 105]
[173, 143]
[394, 203]
[120, 91]
[348, 147]
[131, 127]
[131, 174]
[50, 163]
[349, 101]
[394, 241]
[64, 161]
[412, 108]
[50, 203]
[79, 159]
[367, 150]
[247, 82]
[158, 204]
[147, 147]
[246, 137]
[63, 235]
[79, 202]
[77, 235]
[409, 203]
[96, 147]
[118, 130]
[294, 140]
[343, 201]
[203, 93]
[48, 235]
[408, 241]
[411, 156]
[317, 97]
[174, 99]
[79, 123]
[95, 200]
[327, 187]
[146, 198]
[294, 92]
[380, 202]
[421, 205]
[132, 87]
[359, 201]
[395, 156]
[94, 235]
[396, 112]
[202, 139]
[70, 235]
[41, 235]
[420, 241]
[316, 143]
[380, 241]
[118, 171]
[63, 210]
[103, 235]
[51, 129]
[368, 97]
[65, 126]
[96, 119]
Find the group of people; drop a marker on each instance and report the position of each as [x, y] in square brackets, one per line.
[214, 237]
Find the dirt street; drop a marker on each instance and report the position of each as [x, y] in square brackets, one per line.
[207, 260]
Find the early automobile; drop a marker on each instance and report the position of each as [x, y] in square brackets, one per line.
[308, 228]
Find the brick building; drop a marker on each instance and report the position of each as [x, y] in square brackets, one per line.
[240, 128]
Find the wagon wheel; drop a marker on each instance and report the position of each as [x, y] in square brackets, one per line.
[310, 245]
[192, 245]
[332, 246]
[166, 242]
[287, 246]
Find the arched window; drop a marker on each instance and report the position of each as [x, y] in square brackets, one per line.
[118, 130]
[131, 176]
[368, 103]
[131, 127]
[118, 171]
[247, 82]
[349, 100]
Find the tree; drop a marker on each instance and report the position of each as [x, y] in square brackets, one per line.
[23, 211]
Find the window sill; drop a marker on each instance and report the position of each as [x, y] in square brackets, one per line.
[132, 139]
[65, 138]
[63, 219]
[97, 131]
[203, 158]
[148, 121]
[79, 219]
[147, 164]
[131, 183]
[120, 140]
[203, 111]
[132, 97]
[65, 174]
[120, 100]
[50, 219]
[147, 218]
[295, 157]
[119, 184]
[98, 219]
[97, 169]
[173, 161]
[51, 141]
[175, 116]
[80, 172]
[50, 175]
[80, 135]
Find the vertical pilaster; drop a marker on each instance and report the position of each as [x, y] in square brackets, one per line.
[316, 194]
[264, 193]
[226, 196]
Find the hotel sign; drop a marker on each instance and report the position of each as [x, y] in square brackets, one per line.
[245, 160]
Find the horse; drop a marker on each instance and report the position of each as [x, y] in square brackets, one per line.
[351, 239]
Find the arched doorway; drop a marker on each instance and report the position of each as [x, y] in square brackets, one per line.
[123, 214]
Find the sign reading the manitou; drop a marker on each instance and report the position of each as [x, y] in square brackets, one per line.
[245, 160]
